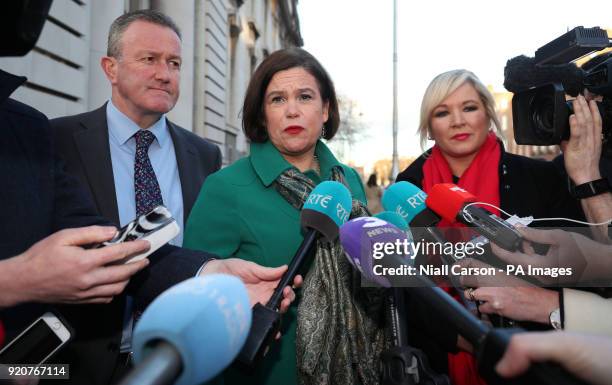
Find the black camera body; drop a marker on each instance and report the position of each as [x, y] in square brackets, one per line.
[540, 108]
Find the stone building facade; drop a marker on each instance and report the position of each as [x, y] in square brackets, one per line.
[222, 43]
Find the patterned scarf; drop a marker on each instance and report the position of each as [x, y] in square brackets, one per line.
[340, 330]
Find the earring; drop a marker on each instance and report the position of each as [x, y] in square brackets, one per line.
[322, 132]
[429, 136]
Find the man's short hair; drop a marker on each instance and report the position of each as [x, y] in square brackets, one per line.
[123, 22]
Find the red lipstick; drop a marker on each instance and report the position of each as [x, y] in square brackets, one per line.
[294, 130]
[461, 137]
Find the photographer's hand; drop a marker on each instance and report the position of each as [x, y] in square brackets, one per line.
[582, 152]
[581, 156]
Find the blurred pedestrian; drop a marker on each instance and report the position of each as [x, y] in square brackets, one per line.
[373, 194]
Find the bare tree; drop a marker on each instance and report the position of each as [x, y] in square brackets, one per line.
[352, 127]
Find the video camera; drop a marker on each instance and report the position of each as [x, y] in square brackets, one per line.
[540, 107]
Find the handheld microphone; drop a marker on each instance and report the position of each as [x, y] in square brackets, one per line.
[358, 236]
[408, 201]
[405, 199]
[450, 201]
[191, 332]
[327, 207]
[411, 200]
[395, 300]
[401, 364]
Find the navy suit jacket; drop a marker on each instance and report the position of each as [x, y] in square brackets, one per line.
[82, 141]
[83, 144]
[39, 198]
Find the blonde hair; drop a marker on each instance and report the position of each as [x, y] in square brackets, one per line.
[445, 84]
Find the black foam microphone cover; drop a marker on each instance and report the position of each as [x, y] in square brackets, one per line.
[522, 73]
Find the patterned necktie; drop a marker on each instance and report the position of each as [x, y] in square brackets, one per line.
[148, 194]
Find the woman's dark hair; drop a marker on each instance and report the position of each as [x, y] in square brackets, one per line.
[372, 180]
[253, 118]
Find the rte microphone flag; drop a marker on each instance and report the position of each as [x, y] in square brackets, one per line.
[405, 199]
[408, 201]
[327, 207]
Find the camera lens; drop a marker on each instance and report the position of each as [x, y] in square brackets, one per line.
[542, 112]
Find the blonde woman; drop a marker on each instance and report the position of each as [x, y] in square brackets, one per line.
[458, 114]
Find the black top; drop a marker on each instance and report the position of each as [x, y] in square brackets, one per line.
[38, 197]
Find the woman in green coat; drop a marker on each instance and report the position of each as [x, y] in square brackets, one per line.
[290, 104]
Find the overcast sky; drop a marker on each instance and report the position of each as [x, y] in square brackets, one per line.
[353, 40]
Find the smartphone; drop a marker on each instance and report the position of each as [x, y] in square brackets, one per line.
[38, 342]
[157, 226]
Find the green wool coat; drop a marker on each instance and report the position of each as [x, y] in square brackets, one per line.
[239, 214]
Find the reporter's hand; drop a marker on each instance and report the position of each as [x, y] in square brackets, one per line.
[260, 281]
[585, 356]
[520, 303]
[507, 295]
[58, 270]
[588, 259]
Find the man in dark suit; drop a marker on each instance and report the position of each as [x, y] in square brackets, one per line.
[83, 142]
[143, 66]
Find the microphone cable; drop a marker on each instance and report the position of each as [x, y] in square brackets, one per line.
[470, 219]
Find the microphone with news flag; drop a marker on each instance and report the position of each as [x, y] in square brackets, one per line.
[396, 305]
[401, 361]
[358, 237]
